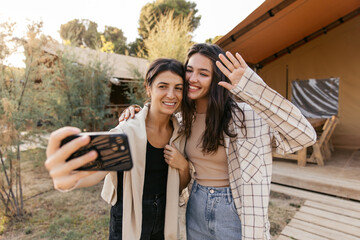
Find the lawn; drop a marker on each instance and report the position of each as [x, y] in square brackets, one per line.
[80, 214]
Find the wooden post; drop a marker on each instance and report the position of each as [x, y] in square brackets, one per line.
[317, 153]
[302, 157]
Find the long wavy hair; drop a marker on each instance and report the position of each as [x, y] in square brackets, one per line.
[221, 106]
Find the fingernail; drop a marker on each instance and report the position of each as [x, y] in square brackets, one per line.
[75, 130]
[92, 154]
[83, 138]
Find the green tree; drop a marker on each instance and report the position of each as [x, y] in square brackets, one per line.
[137, 48]
[20, 107]
[72, 33]
[106, 45]
[84, 33]
[151, 13]
[78, 94]
[80, 33]
[52, 90]
[170, 37]
[137, 92]
[213, 40]
[117, 38]
[91, 36]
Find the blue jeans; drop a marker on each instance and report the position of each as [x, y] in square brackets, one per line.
[211, 214]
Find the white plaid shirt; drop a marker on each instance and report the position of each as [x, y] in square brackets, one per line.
[271, 122]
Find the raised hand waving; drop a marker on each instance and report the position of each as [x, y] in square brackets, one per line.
[234, 69]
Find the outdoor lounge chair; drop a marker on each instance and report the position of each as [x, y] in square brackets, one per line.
[320, 151]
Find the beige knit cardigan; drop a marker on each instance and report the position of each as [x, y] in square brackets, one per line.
[133, 181]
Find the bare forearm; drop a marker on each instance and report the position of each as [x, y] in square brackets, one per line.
[92, 179]
[185, 177]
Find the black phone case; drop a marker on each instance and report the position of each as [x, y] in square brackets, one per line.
[112, 148]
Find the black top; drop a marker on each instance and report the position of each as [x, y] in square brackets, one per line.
[156, 171]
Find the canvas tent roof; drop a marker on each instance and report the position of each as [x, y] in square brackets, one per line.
[276, 25]
[122, 66]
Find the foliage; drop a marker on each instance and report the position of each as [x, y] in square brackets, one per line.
[84, 33]
[213, 40]
[81, 33]
[106, 46]
[117, 38]
[77, 94]
[20, 105]
[51, 92]
[169, 38]
[137, 92]
[136, 48]
[151, 13]
[5, 36]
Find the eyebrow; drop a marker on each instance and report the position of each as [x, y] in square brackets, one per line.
[201, 69]
[168, 83]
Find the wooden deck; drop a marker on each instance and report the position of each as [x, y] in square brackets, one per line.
[322, 217]
[339, 177]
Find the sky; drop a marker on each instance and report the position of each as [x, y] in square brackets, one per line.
[217, 17]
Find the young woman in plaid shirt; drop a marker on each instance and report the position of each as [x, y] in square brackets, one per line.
[232, 123]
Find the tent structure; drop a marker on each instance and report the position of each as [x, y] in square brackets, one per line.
[288, 40]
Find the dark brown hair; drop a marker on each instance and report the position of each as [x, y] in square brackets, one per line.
[161, 65]
[221, 107]
[166, 64]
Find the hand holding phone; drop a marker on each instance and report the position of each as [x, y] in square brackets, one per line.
[112, 149]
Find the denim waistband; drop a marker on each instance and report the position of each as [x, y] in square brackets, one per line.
[214, 191]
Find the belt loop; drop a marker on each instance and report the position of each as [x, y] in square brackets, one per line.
[195, 186]
[228, 194]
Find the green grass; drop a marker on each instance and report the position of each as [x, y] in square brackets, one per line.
[49, 214]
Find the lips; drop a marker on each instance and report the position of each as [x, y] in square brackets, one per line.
[171, 104]
[191, 87]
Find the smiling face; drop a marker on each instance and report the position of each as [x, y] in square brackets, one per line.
[166, 92]
[199, 73]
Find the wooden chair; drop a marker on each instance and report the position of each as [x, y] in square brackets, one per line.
[323, 146]
[321, 150]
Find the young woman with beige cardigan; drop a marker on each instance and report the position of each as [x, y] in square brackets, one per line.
[145, 199]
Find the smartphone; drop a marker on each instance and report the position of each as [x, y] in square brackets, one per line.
[112, 148]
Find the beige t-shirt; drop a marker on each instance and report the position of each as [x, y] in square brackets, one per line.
[211, 169]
